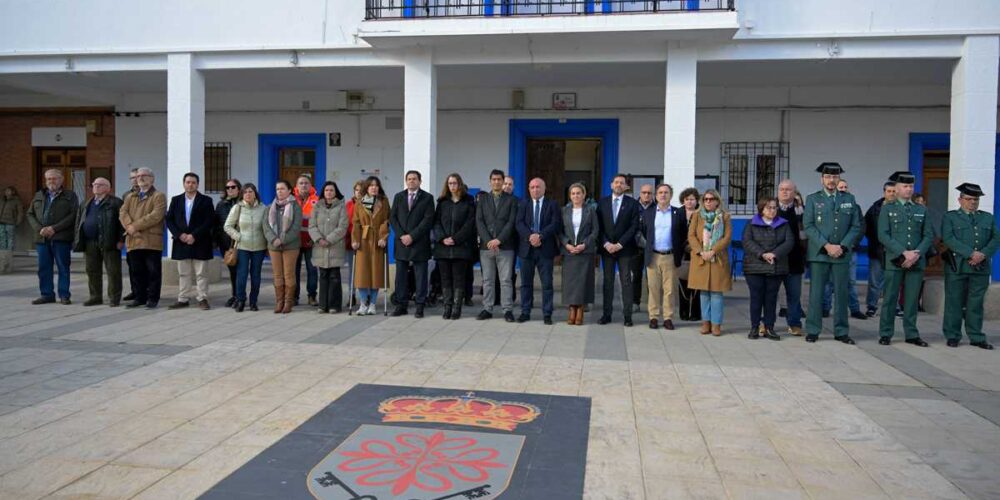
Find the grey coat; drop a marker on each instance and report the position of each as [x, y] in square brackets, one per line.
[588, 234]
[328, 224]
[292, 239]
[759, 238]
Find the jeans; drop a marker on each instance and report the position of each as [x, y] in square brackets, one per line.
[852, 292]
[763, 297]
[312, 276]
[7, 236]
[368, 295]
[711, 307]
[420, 278]
[876, 278]
[624, 262]
[248, 264]
[544, 265]
[148, 273]
[793, 297]
[497, 263]
[49, 253]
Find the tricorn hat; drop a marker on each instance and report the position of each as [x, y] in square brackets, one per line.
[902, 177]
[970, 189]
[830, 167]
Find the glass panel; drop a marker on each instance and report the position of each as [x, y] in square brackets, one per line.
[80, 182]
[308, 158]
[738, 179]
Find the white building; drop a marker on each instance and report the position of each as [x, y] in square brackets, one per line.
[739, 93]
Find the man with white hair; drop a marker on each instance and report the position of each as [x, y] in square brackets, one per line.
[52, 215]
[789, 210]
[99, 235]
[142, 217]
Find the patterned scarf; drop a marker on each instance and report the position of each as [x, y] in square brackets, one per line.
[280, 227]
[714, 228]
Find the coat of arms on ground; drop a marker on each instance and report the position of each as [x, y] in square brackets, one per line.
[387, 442]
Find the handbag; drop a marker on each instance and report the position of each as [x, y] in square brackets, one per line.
[230, 258]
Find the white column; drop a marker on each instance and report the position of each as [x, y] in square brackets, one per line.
[420, 117]
[185, 123]
[679, 117]
[974, 118]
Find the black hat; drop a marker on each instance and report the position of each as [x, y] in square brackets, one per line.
[830, 167]
[903, 177]
[969, 189]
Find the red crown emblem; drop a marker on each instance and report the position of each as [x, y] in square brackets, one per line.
[462, 410]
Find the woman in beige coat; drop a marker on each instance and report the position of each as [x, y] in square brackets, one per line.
[709, 235]
[369, 238]
[327, 231]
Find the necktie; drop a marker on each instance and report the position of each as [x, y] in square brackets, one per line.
[412, 196]
[614, 210]
[538, 209]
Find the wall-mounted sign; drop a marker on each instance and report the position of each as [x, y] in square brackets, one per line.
[564, 100]
[335, 139]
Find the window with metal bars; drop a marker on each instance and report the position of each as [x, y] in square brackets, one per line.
[217, 166]
[751, 171]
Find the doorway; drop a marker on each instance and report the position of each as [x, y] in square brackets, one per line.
[293, 162]
[562, 162]
[72, 162]
[935, 186]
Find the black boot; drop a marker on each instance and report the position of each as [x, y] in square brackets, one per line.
[456, 312]
[448, 299]
[240, 305]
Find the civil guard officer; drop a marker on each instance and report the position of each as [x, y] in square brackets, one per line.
[832, 224]
[972, 239]
[905, 232]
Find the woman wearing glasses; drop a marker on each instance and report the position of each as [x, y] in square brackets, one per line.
[709, 235]
[230, 196]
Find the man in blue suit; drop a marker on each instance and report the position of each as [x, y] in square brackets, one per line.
[538, 223]
[664, 231]
[618, 216]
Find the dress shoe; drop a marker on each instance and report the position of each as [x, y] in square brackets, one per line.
[231, 302]
[240, 305]
[204, 305]
[508, 316]
[753, 335]
[653, 324]
[858, 315]
[768, 333]
[134, 304]
[65, 301]
[668, 324]
[845, 339]
[604, 320]
[982, 345]
[484, 314]
[884, 341]
[952, 342]
[419, 313]
[152, 304]
[178, 305]
[628, 322]
[795, 330]
[398, 311]
[523, 318]
[812, 338]
[547, 320]
[129, 297]
[92, 302]
[917, 341]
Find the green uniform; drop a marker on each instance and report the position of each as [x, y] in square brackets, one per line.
[902, 226]
[965, 286]
[829, 218]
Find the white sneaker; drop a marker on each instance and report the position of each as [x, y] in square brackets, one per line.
[371, 309]
[362, 310]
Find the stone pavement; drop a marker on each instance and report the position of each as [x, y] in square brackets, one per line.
[109, 403]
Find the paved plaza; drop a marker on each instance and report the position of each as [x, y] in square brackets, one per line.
[100, 403]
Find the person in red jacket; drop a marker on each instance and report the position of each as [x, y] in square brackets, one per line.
[305, 196]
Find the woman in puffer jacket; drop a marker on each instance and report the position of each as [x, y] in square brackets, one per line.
[767, 240]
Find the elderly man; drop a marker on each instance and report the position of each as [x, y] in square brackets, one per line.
[190, 219]
[52, 215]
[539, 222]
[142, 216]
[790, 211]
[133, 179]
[99, 236]
[639, 263]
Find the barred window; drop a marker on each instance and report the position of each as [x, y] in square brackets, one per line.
[751, 171]
[217, 166]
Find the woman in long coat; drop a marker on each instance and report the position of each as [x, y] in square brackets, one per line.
[369, 239]
[327, 231]
[709, 235]
[455, 241]
[578, 244]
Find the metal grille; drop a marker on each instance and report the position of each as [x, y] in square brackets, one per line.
[217, 165]
[751, 171]
[416, 9]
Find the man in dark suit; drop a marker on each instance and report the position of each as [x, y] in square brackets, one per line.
[495, 214]
[538, 224]
[618, 216]
[664, 233]
[190, 220]
[411, 218]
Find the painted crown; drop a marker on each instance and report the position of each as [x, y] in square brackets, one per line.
[461, 410]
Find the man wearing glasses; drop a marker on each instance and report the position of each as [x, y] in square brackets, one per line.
[832, 224]
[638, 264]
[133, 179]
[972, 239]
[142, 217]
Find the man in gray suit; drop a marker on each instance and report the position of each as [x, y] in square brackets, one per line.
[495, 214]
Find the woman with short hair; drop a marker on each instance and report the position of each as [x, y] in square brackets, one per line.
[767, 241]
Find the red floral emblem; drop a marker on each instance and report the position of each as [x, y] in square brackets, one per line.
[429, 463]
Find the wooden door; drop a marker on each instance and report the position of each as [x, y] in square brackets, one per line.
[293, 162]
[936, 192]
[546, 159]
[73, 165]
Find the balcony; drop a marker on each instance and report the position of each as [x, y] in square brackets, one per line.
[424, 9]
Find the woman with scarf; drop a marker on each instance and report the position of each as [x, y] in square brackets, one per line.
[281, 229]
[767, 241]
[327, 231]
[369, 239]
[709, 235]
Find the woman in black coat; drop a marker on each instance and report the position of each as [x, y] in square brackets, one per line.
[455, 241]
[230, 196]
[767, 241]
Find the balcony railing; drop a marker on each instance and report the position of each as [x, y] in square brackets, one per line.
[422, 9]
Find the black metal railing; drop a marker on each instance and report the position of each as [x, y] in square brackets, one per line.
[422, 9]
[751, 171]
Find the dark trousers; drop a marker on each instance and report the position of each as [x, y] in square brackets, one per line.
[513, 283]
[248, 265]
[624, 265]
[763, 297]
[305, 254]
[544, 266]
[111, 260]
[131, 275]
[402, 286]
[148, 271]
[453, 273]
[232, 270]
[330, 294]
[470, 276]
[57, 253]
[638, 269]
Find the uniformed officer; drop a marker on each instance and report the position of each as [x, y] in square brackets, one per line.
[972, 239]
[905, 232]
[832, 224]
